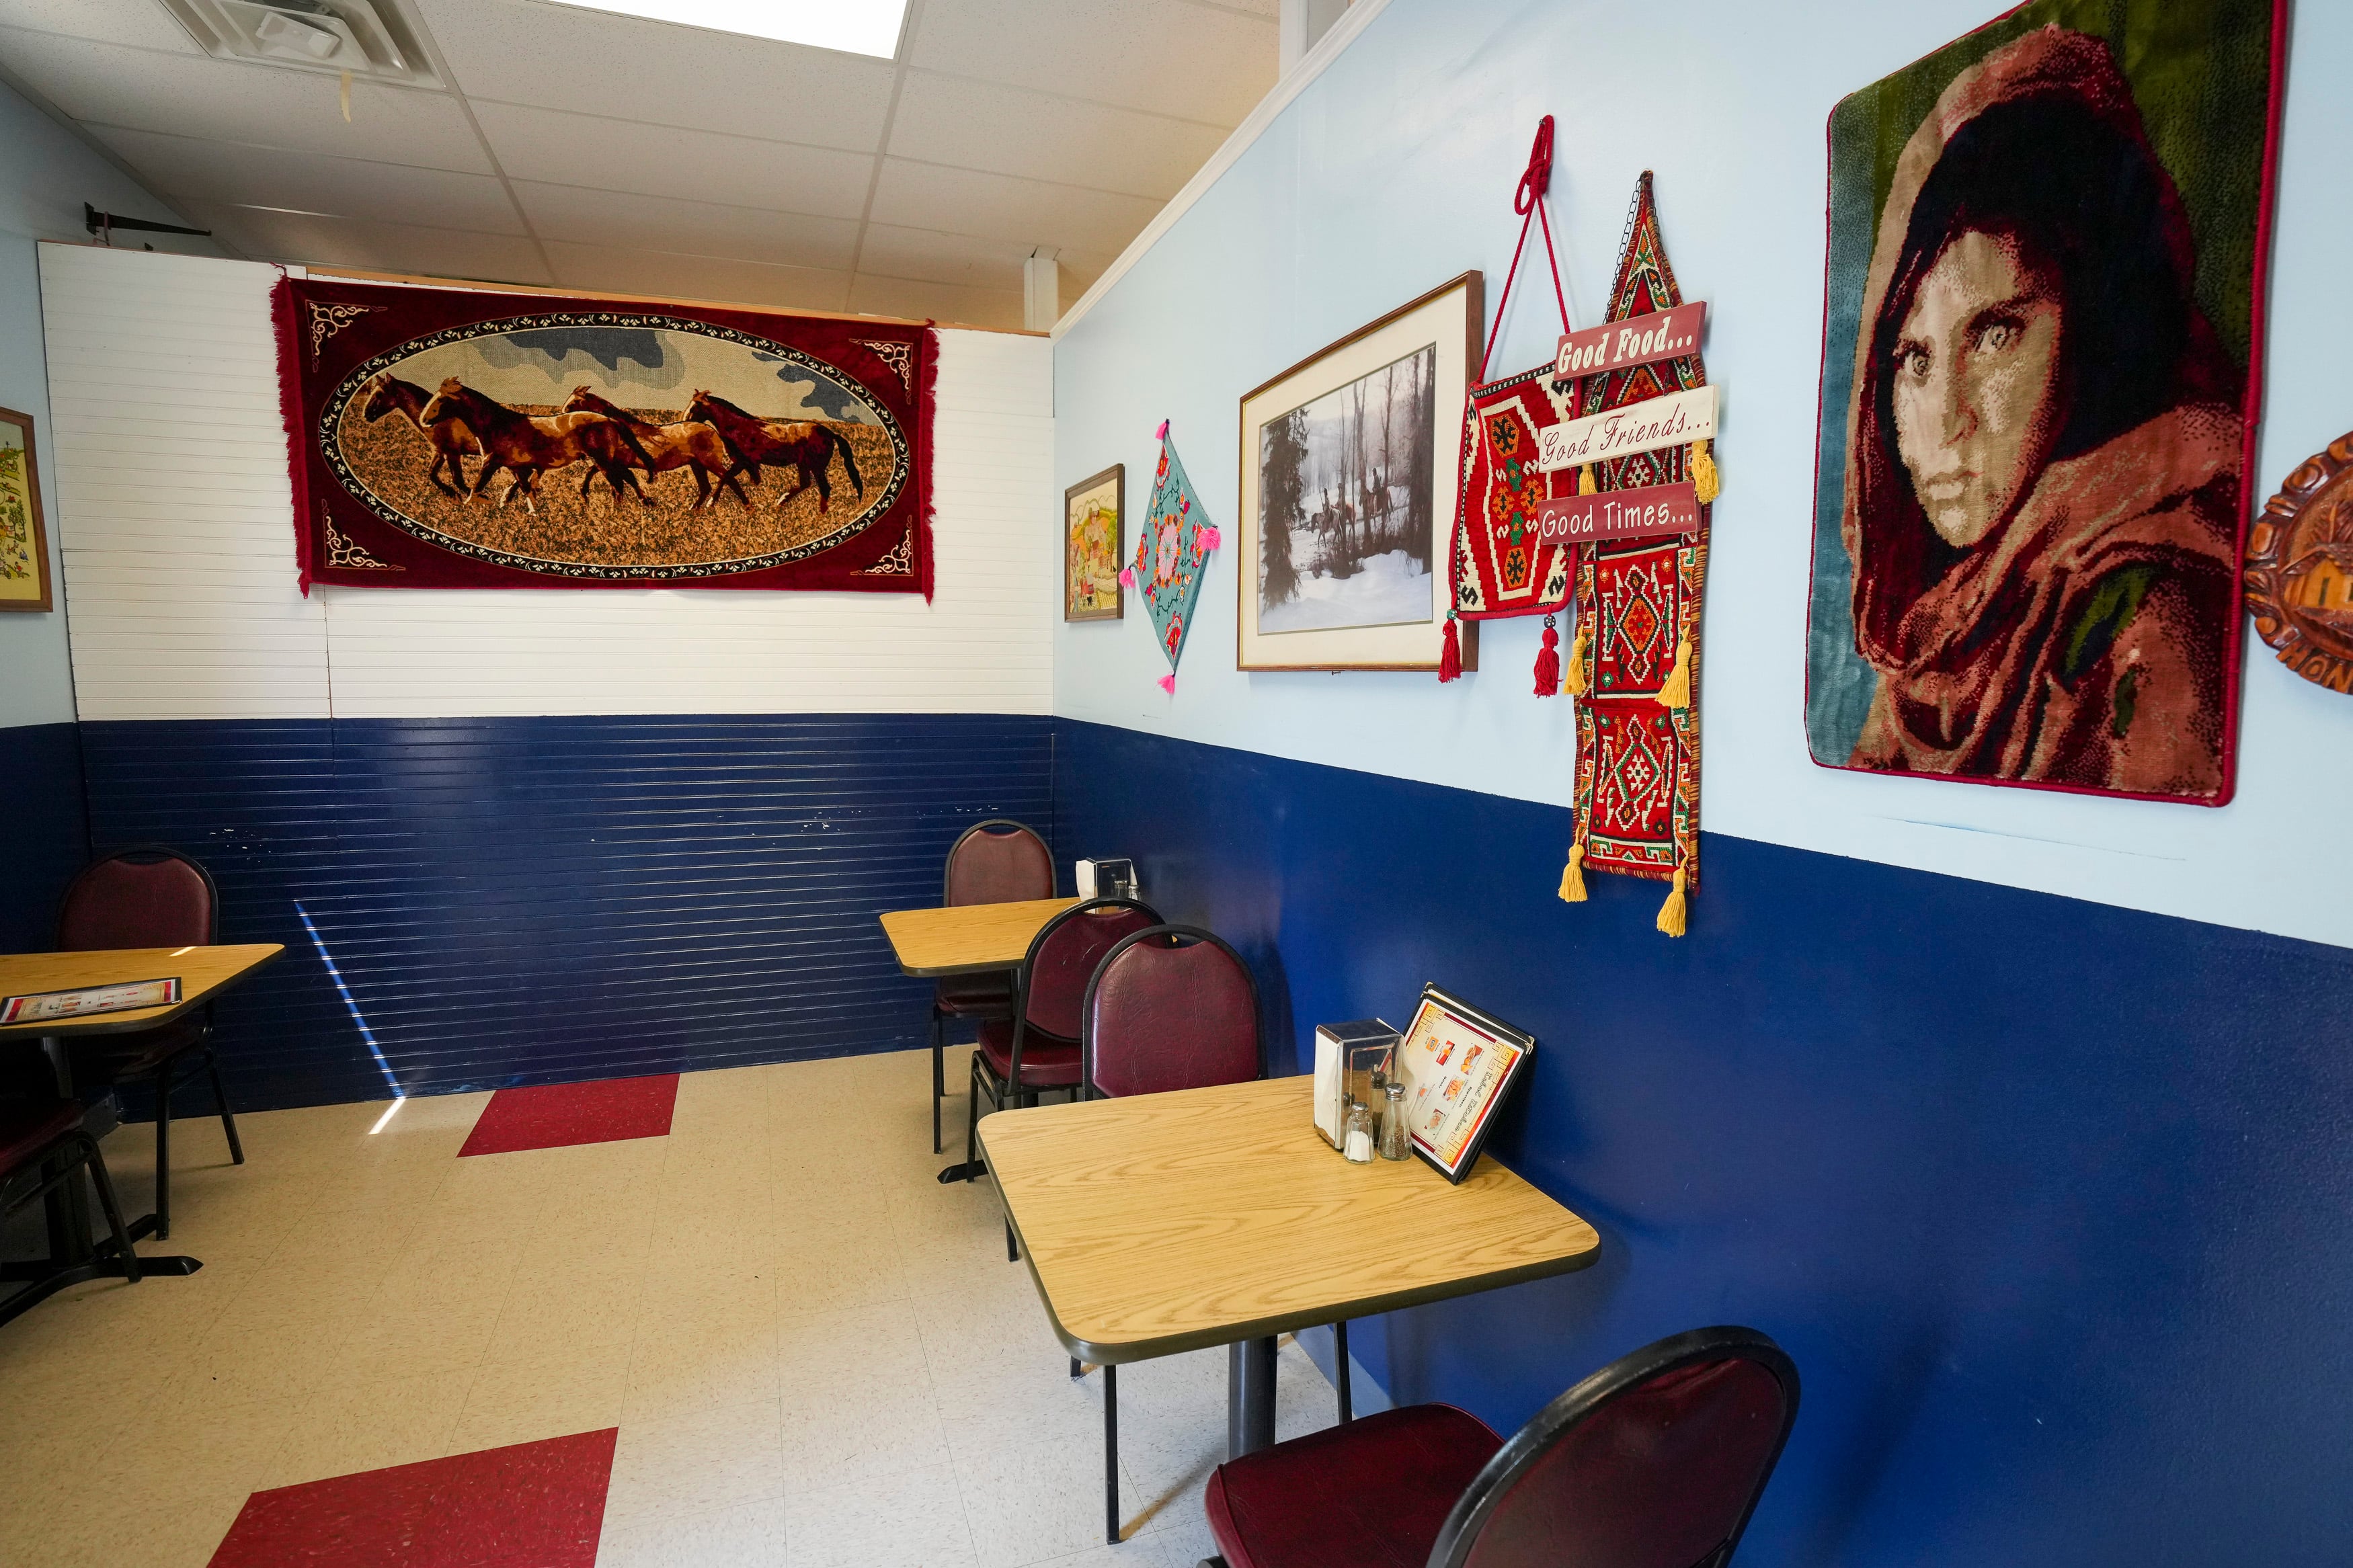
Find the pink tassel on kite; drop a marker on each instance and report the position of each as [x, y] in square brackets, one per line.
[1167, 683]
[1162, 434]
[1127, 578]
[1209, 538]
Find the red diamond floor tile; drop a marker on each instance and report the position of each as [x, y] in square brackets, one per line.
[557, 1115]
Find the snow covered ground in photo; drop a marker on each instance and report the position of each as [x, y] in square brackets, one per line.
[1387, 591]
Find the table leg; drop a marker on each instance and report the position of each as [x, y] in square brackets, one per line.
[1250, 1397]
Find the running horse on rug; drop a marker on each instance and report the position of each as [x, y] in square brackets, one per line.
[449, 438]
[528, 445]
[805, 444]
[687, 444]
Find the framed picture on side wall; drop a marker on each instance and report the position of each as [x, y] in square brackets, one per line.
[1094, 520]
[24, 541]
[1348, 484]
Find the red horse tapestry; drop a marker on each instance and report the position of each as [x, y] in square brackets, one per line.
[461, 439]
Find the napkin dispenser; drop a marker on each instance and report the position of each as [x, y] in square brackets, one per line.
[1352, 1062]
[1106, 878]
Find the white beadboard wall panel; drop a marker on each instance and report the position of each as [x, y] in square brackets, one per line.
[172, 505]
[174, 511]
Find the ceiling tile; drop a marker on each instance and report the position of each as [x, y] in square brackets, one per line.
[1011, 131]
[698, 228]
[1192, 61]
[595, 267]
[924, 255]
[692, 166]
[311, 182]
[196, 95]
[382, 246]
[560, 58]
[943, 302]
[1000, 207]
[141, 22]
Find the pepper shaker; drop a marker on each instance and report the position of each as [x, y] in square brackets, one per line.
[1396, 1141]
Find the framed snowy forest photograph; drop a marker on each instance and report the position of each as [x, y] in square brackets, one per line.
[1349, 488]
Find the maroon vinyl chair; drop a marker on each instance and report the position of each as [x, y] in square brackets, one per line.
[1655, 1461]
[44, 1145]
[995, 862]
[1037, 1049]
[1170, 1007]
[151, 896]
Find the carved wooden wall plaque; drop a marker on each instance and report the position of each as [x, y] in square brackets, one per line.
[2299, 571]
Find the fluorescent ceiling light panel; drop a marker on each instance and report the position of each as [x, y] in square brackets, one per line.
[856, 26]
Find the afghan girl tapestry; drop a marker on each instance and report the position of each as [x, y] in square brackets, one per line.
[2039, 384]
[1172, 552]
[463, 439]
[1634, 658]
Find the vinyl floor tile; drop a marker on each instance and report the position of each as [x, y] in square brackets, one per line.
[695, 1462]
[907, 1518]
[747, 1535]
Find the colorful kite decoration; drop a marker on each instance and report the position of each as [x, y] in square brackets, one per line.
[1172, 551]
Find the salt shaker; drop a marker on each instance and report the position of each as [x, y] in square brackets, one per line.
[1359, 1145]
[1396, 1142]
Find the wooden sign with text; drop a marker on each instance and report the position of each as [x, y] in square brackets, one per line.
[1641, 513]
[1621, 345]
[1675, 420]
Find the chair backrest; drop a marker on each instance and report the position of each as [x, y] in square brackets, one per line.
[1062, 958]
[998, 862]
[1171, 1007]
[150, 895]
[1655, 1461]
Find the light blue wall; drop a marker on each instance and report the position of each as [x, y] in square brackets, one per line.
[1394, 172]
[46, 175]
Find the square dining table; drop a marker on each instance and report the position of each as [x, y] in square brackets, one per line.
[1163, 1223]
[204, 973]
[965, 938]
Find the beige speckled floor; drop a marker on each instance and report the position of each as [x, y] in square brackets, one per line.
[815, 1355]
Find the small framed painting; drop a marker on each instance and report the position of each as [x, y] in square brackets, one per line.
[24, 540]
[1348, 486]
[1457, 1063]
[1094, 520]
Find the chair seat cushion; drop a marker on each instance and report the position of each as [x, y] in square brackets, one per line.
[99, 1060]
[974, 996]
[1046, 1060]
[1371, 1494]
[28, 1126]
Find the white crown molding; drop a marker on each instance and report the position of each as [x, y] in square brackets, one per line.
[1353, 21]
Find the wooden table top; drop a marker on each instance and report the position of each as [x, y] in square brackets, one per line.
[967, 939]
[1164, 1223]
[204, 971]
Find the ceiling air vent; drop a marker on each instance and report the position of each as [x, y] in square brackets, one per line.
[367, 38]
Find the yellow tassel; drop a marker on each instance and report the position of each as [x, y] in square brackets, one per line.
[1572, 678]
[1572, 875]
[1671, 912]
[1676, 692]
[1585, 486]
[1705, 478]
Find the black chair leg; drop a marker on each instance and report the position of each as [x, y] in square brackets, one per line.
[1111, 1455]
[939, 1073]
[228, 1123]
[1078, 1369]
[972, 1121]
[96, 1162]
[164, 1152]
[1012, 1253]
[1340, 1368]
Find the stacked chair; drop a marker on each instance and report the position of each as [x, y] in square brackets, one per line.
[996, 862]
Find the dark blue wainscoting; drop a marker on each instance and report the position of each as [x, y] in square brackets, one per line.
[48, 837]
[520, 900]
[2052, 1201]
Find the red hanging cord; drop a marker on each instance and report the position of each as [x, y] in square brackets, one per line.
[1528, 202]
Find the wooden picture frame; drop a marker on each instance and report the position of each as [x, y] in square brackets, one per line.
[1085, 591]
[1458, 1063]
[24, 534]
[1358, 443]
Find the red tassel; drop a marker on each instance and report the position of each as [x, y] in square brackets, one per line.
[1548, 662]
[290, 413]
[1450, 654]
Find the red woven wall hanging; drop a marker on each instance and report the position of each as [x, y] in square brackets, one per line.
[464, 439]
[1635, 658]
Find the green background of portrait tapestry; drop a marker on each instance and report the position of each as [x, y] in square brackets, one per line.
[2200, 72]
